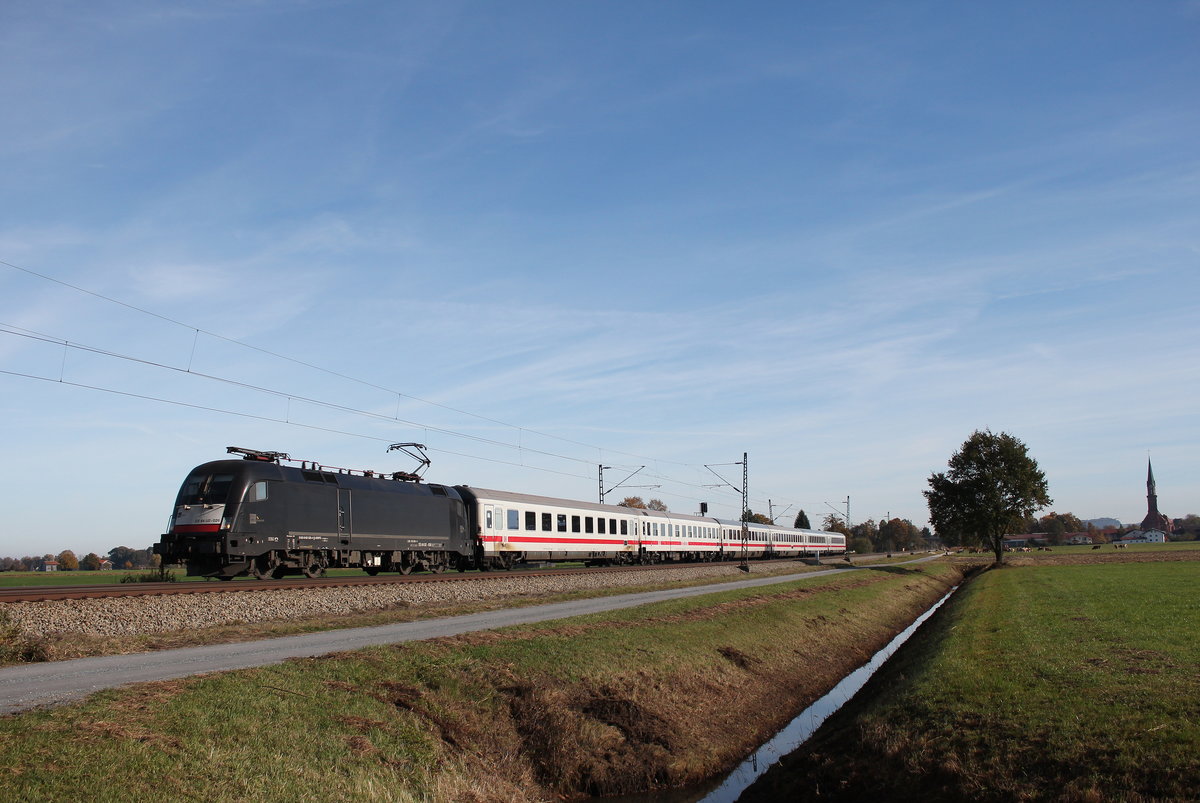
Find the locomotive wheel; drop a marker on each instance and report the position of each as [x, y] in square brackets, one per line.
[263, 567]
[314, 570]
[404, 568]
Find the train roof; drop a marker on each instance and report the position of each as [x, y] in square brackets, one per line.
[532, 499]
[314, 472]
[775, 527]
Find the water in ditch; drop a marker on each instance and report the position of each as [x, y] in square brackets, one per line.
[790, 738]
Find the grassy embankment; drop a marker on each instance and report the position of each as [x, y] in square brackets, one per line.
[657, 695]
[1040, 682]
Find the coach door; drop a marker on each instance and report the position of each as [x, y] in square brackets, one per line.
[489, 522]
[344, 515]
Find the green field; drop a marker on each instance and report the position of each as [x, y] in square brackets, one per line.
[76, 578]
[87, 578]
[1056, 682]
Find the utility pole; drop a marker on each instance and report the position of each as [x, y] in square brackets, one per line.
[745, 464]
[745, 507]
[835, 510]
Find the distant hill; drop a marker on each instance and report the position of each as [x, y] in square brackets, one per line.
[1100, 524]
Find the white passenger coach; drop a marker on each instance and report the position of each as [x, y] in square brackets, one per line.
[516, 527]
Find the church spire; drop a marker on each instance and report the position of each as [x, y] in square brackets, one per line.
[1154, 519]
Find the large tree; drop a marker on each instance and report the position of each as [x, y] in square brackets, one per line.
[802, 522]
[992, 485]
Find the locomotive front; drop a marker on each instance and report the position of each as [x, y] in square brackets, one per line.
[203, 514]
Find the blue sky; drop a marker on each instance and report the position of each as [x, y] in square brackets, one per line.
[538, 237]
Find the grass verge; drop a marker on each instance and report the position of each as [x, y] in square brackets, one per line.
[1034, 683]
[660, 695]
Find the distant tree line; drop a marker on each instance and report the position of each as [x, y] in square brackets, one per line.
[121, 557]
[1056, 527]
[1187, 528]
[890, 535]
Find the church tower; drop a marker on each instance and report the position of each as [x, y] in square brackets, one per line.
[1154, 520]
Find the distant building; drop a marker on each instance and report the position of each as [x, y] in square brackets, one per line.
[1028, 539]
[50, 566]
[1144, 537]
[1078, 538]
[105, 564]
[1154, 521]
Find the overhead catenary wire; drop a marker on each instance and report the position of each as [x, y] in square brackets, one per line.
[312, 366]
[289, 397]
[520, 446]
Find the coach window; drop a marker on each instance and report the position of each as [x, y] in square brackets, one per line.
[530, 520]
[612, 526]
[600, 526]
[575, 524]
[488, 518]
[588, 524]
[624, 527]
[546, 527]
[514, 519]
[562, 522]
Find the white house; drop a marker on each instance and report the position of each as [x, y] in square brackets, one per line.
[1144, 537]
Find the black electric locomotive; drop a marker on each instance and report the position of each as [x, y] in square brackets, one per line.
[257, 516]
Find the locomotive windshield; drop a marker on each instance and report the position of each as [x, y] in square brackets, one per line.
[203, 489]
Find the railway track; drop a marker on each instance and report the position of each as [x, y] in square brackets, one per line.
[42, 593]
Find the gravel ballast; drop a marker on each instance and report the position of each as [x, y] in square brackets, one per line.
[115, 616]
